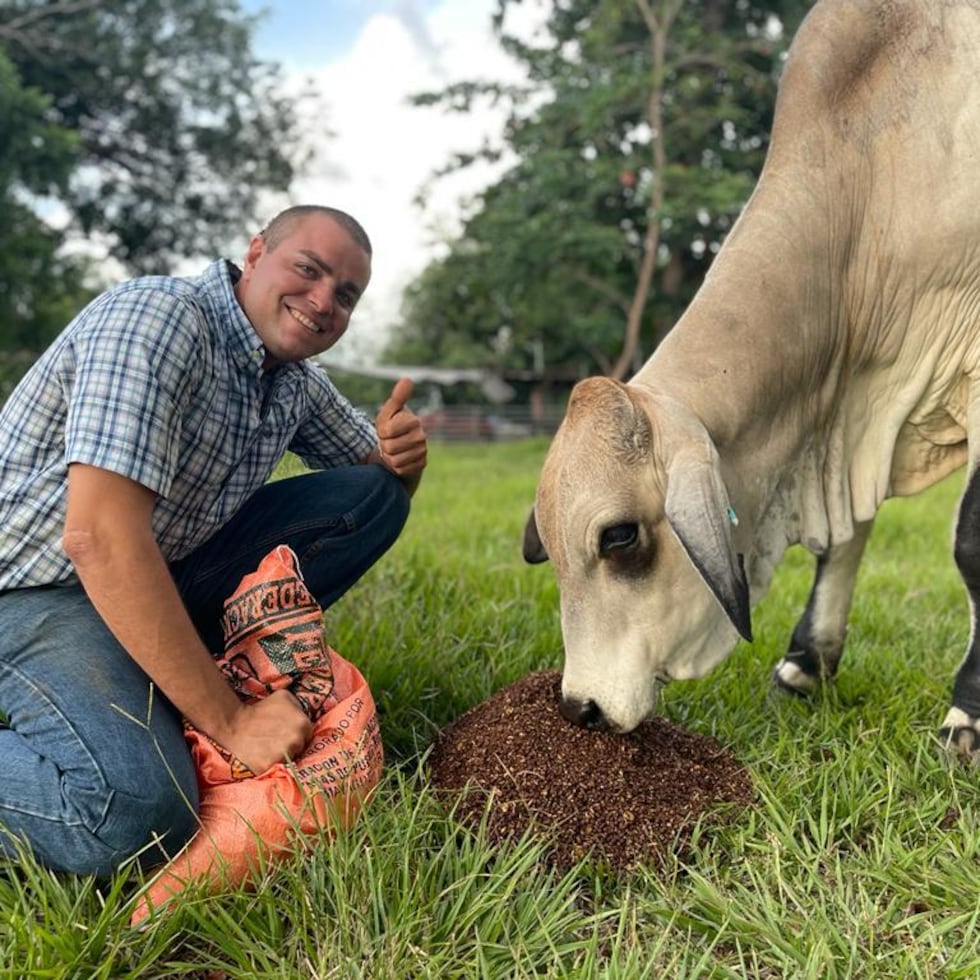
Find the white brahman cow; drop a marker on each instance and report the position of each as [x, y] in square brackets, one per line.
[831, 359]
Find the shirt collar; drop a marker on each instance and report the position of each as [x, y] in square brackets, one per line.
[244, 344]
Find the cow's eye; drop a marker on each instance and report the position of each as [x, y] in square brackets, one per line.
[617, 538]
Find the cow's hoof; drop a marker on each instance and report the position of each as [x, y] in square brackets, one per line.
[960, 736]
[789, 677]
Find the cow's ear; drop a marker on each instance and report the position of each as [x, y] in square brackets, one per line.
[534, 552]
[701, 516]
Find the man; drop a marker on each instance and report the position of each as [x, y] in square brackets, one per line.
[134, 459]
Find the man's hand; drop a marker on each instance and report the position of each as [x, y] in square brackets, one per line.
[267, 731]
[401, 438]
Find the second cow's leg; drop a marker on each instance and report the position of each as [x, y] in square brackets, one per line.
[818, 639]
[961, 728]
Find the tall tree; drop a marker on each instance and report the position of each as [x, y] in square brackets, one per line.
[637, 140]
[179, 126]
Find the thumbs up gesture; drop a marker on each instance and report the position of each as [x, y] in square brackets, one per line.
[401, 438]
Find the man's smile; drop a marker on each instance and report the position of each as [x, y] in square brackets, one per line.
[305, 320]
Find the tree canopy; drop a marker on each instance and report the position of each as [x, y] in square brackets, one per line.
[147, 123]
[636, 140]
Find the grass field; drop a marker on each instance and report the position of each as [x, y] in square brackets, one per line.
[860, 860]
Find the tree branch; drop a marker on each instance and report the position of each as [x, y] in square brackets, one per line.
[604, 289]
[28, 30]
[51, 10]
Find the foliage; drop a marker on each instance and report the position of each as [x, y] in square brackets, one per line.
[640, 133]
[179, 127]
[859, 859]
[35, 152]
[40, 288]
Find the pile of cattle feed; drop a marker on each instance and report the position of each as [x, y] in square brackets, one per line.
[623, 800]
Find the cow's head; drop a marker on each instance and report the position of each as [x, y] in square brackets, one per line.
[633, 513]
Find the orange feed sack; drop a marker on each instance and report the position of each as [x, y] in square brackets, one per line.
[273, 639]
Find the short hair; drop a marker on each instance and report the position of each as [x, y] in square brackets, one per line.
[282, 224]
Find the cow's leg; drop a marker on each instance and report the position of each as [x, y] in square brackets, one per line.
[818, 639]
[961, 729]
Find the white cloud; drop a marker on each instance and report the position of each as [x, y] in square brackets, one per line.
[383, 149]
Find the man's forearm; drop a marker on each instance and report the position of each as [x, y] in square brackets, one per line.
[130, 586]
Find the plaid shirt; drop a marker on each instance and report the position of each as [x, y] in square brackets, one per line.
[159, 380]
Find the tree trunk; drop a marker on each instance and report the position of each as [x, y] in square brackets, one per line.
[658, 22]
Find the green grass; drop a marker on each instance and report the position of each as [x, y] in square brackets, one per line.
[859, 861]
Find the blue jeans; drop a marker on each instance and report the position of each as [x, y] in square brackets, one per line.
[93, 764]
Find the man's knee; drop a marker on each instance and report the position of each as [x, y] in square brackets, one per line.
[395, 500]
[376, 503]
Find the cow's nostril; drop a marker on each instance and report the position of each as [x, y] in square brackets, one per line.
[586, 714]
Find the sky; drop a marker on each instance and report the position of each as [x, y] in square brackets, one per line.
[365, 57]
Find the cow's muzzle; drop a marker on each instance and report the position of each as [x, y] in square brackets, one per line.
[585, 714]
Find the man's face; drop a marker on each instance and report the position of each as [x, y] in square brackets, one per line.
[299, 294]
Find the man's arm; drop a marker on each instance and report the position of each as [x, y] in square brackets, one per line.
[108, 536]
[402, 446]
